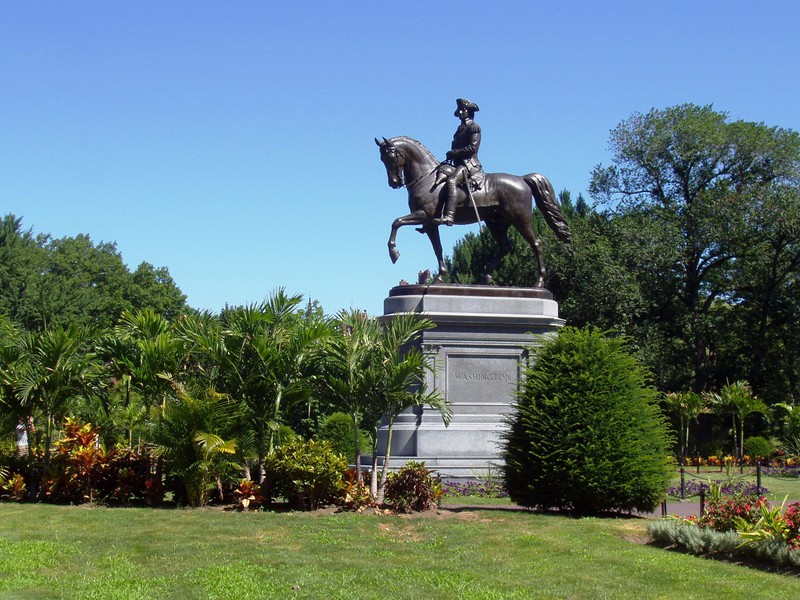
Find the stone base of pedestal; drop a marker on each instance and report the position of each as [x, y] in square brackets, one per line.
[478, 351]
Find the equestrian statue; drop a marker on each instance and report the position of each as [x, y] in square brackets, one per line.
[457, 191]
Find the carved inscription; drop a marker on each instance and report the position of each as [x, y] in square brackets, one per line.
[482, 376]
[481, 379]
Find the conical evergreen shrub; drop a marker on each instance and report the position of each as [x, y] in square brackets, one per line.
[588, 435]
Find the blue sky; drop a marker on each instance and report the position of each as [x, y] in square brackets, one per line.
[233, 142]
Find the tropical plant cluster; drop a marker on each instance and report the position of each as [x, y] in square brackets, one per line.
[412, 488]
[736, 524]
[184, 410]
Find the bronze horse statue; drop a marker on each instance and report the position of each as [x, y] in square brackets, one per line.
[504, 200]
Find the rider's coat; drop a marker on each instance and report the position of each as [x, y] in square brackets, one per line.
[464, 149]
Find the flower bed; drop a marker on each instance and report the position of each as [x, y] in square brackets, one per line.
[736, 525]
[777, 460]
[792, 471]
[483, 489]
[693, 487]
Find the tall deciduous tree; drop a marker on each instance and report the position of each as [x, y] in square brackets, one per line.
[699, 177]
[21, 261]
[72, 280]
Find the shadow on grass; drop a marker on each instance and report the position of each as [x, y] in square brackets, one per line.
[514, 508]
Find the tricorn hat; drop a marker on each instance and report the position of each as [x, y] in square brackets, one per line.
[464, 103]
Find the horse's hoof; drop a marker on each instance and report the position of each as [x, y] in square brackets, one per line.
[540, 283]
[394, 254]
[487, 280]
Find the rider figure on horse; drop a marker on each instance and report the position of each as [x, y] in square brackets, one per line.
[463, 155]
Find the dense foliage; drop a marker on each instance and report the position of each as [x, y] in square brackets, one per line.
[183, 409]
[734, 525]
[588, 435]
[412, 488]
[691, 251]
[52, 282]
[307, 473]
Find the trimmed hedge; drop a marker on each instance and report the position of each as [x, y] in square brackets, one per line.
[588, 435]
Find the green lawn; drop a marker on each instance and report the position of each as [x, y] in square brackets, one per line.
[487, 552]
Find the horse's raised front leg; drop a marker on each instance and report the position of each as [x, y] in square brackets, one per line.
[416, 218]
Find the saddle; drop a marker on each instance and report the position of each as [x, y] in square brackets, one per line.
[475, 177]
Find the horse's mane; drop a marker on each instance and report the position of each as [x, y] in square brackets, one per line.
[419, 145]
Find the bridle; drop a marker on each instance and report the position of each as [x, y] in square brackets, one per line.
[416, 180]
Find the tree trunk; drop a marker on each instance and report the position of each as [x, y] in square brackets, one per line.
[359, 474]
[741, 436]
[685, 425]
[373, 480]
[48, 437]
[261, 455]
[385, 470]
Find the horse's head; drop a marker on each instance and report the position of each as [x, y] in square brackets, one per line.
[394, 161]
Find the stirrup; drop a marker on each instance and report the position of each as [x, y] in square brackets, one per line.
[444, 220]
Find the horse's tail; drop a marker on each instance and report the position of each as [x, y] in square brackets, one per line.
[547, 203]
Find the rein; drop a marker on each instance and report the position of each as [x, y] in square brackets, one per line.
[420, 178]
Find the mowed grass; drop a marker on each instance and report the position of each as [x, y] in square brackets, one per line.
[489, 552]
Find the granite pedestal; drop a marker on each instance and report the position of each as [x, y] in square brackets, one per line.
[478, 351]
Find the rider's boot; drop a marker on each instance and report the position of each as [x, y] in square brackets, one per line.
[450, 205]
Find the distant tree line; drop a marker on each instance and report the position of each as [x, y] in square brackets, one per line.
[46, 281]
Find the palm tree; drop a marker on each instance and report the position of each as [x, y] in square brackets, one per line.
[374, 373]
[737, 398]
[397, 383]
[57, 365]
[262, 356]
[347, 360]
[10, 353]
[193, 438]
[688, 406]
[144, 354]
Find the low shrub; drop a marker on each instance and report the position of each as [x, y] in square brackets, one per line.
[694, 487]
[792, 471]
[483, 489]
[339, 429]
[412, 488]
[758, 447]
[696, 540]
[248, 494]
[685, 534]
[355, 494]
[729, 512]
[13, 487]
[308, 474]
